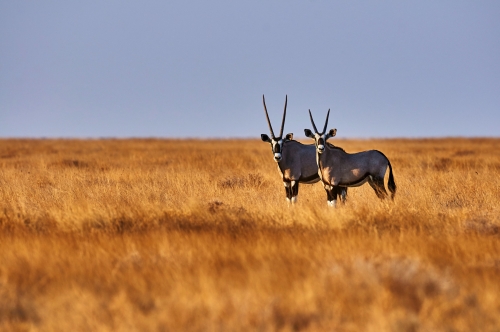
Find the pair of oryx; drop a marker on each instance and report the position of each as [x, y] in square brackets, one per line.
[337, 169]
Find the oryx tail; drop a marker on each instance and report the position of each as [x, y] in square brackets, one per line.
[391, 184]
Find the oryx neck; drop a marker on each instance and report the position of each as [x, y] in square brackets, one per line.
[330, 153]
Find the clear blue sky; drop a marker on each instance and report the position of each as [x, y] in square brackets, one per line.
[199, 68]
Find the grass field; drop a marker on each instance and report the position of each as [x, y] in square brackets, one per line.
[196, 235]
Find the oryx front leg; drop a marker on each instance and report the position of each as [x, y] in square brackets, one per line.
[295, 190]
[288, 190]
[331, 195]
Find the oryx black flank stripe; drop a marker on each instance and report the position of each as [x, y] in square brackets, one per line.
[309, 178]
[354, 183]
[301, 179]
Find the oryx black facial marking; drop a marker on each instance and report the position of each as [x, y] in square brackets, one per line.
[296, 161]
[339, 169]
[277, 146]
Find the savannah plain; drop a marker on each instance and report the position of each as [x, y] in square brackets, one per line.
[196, 235]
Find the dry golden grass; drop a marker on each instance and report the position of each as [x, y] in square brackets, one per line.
[171, 235]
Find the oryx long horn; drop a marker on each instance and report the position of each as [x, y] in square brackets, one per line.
[267, 116]
[284, 115]
[312, 121]
[326, 122]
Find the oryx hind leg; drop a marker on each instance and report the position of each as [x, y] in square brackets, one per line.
[342, 192]
[377, 183]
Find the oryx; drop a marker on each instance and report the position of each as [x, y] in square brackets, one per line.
[339, 168]
[296, 161]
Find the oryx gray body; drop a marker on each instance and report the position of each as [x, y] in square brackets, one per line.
[338, 168]
[296, 161]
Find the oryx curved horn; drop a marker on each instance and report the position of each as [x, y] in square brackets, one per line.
[312, 121]
[326, 122]
[267, 116]
[284, 115]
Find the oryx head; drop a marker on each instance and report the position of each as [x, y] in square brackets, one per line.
[320, 138]
[276, 142]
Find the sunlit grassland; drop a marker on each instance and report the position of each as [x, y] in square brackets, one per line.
[196, 235]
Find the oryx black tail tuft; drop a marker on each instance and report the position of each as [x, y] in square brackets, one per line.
[391, 184]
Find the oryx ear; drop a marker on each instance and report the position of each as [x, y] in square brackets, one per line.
[308, 133]
[265, 138]
[332, 132]
[289, 136]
